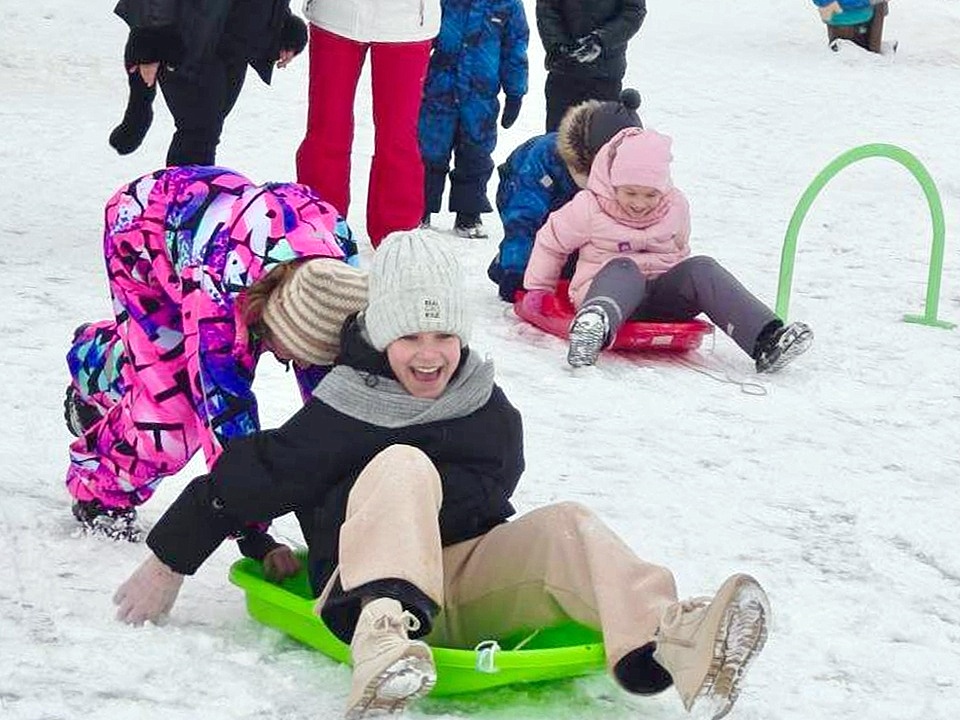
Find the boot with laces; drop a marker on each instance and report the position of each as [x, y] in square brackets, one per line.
[707, 644]
[389, 669]
[588, 335]
[782, 345]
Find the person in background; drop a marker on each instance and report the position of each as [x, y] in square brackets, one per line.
[198, 52]
[481, 49]
[586, 49]
[860, 21]
[397, 35]
[631, 229]
[402, 468]
[206, 272]
[544, 173]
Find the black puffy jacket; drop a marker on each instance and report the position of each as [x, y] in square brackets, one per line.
[309, 464]
[190, 31]
[561, 22]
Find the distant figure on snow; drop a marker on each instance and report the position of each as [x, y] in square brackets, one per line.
[631, 228]
[860, 21]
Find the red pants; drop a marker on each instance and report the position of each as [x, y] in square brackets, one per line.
[395, 191]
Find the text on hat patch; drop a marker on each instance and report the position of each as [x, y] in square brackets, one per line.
[431, 309]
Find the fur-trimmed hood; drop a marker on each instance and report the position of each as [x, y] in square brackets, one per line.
[572, 142]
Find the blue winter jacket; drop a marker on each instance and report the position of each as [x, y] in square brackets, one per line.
[481, 48]
[534, 181]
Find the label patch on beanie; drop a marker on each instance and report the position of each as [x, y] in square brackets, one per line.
[431, 310]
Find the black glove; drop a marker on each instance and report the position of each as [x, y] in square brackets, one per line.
[511, 108]
[293, 36]
[510, 282]
[586, 49]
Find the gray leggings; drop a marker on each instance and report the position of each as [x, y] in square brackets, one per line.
[697, 285]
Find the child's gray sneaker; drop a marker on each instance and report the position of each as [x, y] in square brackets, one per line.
[588, 334]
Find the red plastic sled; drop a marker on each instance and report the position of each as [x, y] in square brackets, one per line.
[553, 313]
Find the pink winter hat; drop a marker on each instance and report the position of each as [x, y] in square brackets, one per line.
[642, 158]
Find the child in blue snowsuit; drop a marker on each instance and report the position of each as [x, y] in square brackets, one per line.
[544, 173]
[481, 48]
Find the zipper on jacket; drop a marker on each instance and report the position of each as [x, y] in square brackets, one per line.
[421, 13]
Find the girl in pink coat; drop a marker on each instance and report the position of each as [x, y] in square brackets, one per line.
[631, 228]
[206, 271]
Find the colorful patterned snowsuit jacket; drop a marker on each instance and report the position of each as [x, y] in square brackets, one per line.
[173, 371]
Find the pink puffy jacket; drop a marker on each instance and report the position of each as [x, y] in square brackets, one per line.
[591, 224]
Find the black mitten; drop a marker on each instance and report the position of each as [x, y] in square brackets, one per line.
[511, 109]
[127, 136]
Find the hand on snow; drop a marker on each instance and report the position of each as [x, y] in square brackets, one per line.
[587, 48]
[511, 108]
[148, 594]
[280, 563]
[828, 11]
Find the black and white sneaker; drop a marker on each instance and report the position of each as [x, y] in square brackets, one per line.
[79, 415]
[588, 335]
[469, 226]
[114, 523]
[784, 345]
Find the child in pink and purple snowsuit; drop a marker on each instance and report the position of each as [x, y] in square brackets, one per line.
[172, 372]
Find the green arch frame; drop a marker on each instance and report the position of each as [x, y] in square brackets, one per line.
[918, 171]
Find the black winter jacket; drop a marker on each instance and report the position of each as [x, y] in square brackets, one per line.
[561, 22]
[309, 464]
[186, 33]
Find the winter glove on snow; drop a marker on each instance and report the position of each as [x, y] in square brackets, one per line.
[587, 48]
[148, 594]
[511, 108]
[828, 11]
[280, 563]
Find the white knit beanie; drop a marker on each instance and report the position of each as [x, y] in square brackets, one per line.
[307, 310]
[416, 285]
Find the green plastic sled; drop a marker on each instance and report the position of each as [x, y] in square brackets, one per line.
[549, 654]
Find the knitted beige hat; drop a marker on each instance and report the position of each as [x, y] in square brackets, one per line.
[416, 285]
[307, 311]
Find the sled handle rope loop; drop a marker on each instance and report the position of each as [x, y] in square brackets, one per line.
[911, 163]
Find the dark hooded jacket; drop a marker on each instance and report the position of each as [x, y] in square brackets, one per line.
[186, 33]
[561, 22]
[309, 465]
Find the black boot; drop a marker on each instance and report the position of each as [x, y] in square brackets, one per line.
[114, 523]
[127, 136]
[779, 344]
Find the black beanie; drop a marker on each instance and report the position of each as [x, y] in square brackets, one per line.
[612, 117]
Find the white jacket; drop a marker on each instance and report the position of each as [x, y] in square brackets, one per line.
[376, 20]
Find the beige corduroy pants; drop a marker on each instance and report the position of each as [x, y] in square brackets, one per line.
[555, 564]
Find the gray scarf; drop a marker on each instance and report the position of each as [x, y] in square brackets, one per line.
[387, 404]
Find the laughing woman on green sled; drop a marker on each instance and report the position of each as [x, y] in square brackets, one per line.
[400, 470]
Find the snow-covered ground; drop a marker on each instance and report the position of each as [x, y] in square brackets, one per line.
[837, 487]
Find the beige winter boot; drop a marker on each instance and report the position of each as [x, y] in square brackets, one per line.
[707, 644]
[389, 669]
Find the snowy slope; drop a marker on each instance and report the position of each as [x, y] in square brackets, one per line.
[837, 487]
